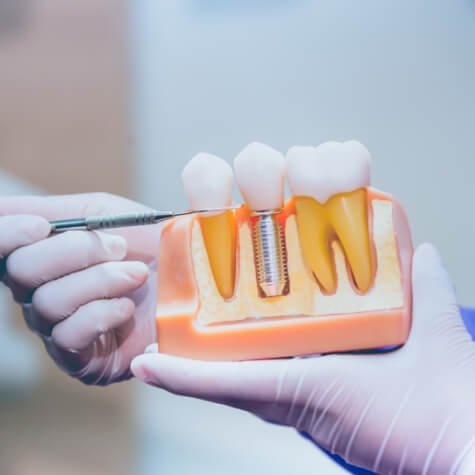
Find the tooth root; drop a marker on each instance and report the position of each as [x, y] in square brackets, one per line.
[219, 234]
[315, 234]
[348, 214]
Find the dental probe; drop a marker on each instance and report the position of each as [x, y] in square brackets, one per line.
[93, 223]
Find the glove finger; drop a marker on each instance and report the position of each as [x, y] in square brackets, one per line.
[67, 206]
[50, 259]
[60, 298]
[209, 380]
[99, 363]
[435, 310]
[52, 207]
[21, 230]
[18, 231]
[90, 321]
[89, 204]
[265, 387]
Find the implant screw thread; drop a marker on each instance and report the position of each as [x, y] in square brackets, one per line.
[270, 255]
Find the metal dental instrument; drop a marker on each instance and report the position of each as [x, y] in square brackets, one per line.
[93, 223]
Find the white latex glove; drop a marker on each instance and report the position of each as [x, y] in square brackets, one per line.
[90, 296]
[406, 411]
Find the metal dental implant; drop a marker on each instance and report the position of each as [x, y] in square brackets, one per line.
[260, 172]
[270, 255]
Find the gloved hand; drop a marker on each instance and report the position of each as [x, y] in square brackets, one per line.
[90, 296]
[405, 411]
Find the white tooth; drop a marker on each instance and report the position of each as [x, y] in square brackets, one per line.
[260, 172]
[208, 182]
[328, 169]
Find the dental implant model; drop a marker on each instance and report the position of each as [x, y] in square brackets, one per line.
[260, 172]
[328, 270]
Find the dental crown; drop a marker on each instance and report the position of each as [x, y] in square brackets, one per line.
[208, 181]
[260, 172]
[332, 167]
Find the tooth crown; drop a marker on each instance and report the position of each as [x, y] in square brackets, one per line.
[208, 182]
[260, 172]
[331, 168]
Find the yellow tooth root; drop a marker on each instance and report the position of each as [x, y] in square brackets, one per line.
[315, 237]
[219, 235]
[345, 215]
[348, 214]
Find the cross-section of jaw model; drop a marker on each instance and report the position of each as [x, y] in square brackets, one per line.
[328, 270]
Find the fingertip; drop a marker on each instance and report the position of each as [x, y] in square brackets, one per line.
[41, 228]
[137, 368]
[116, 246]
[138, 271]
[142, 368]
[153, 348]
[125, 306]
[427, 265]
[427, 252]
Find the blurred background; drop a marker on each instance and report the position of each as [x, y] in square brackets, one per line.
[117, 96]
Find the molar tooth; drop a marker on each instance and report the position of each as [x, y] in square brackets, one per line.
[208, 182]
[329, 183]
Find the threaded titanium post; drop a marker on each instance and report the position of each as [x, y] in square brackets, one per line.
[270, 254]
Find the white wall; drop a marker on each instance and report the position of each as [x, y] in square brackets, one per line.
[399, 76]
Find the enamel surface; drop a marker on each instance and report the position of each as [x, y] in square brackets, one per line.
[260, 172]
[208, 182]
[331, 168]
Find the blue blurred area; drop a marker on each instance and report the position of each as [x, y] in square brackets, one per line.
[222, 10]
[468, 316]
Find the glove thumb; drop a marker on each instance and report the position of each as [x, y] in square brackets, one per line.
[435, 311]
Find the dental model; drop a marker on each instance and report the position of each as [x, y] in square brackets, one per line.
[329, 270]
